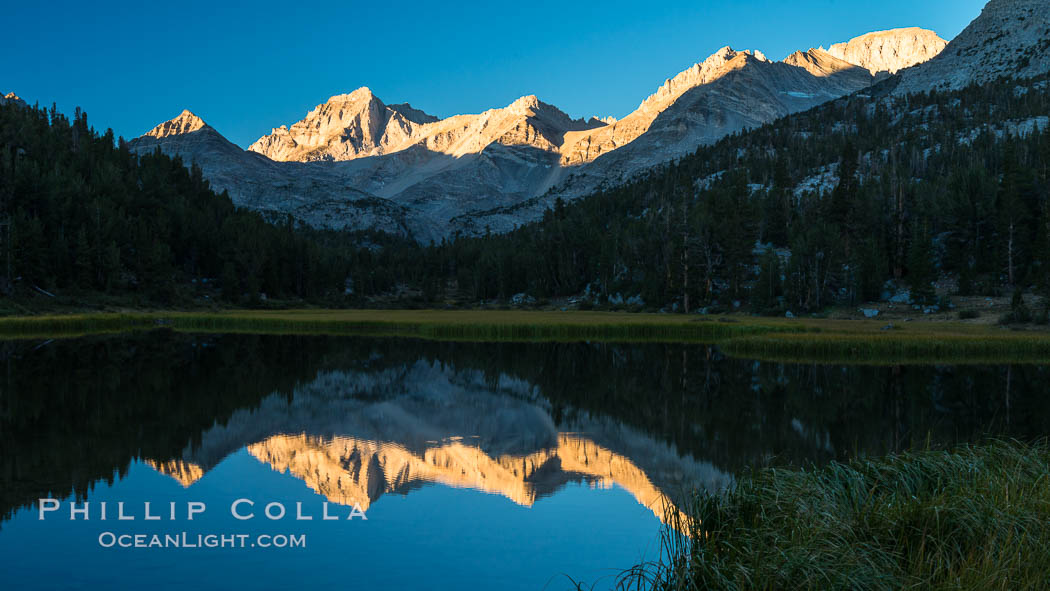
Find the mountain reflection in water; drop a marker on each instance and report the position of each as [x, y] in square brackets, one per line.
[357, 418]
[353, 436]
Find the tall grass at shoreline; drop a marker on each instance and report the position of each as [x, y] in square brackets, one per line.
[973, 518]
[72, 325]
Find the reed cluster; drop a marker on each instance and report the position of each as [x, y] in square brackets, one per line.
[976, 517]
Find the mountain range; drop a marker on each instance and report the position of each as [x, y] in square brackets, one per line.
[356, 163]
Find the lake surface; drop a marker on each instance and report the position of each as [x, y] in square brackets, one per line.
[490, 466]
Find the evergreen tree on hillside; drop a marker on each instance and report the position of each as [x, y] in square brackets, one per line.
[80, 214]
[924, 186]
[768, 287]
[921, 270]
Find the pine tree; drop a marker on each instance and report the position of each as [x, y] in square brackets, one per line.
[110, 266]
[777, 208]
[1041, 266]
[921, 270]
[83, 257]
[230, 282]
[844, 196]
[1014, 216]
[768, 287]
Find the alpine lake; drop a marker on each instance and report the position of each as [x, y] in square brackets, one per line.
[174, 460]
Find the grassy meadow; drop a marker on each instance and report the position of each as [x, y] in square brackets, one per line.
[781, 339]
[473, 325]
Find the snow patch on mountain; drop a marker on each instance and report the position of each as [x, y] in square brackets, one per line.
[820, 182]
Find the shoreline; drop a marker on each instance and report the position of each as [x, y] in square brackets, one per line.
[761, 338]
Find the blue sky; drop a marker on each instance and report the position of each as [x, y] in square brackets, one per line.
[246, 67]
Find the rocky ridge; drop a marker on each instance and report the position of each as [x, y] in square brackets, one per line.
[359, 124]
[345, 127]
[728, 92]
[890, 51]
[185, 123]
[316, 196]
[1009, 38]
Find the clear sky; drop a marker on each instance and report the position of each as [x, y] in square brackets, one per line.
[246, 67]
